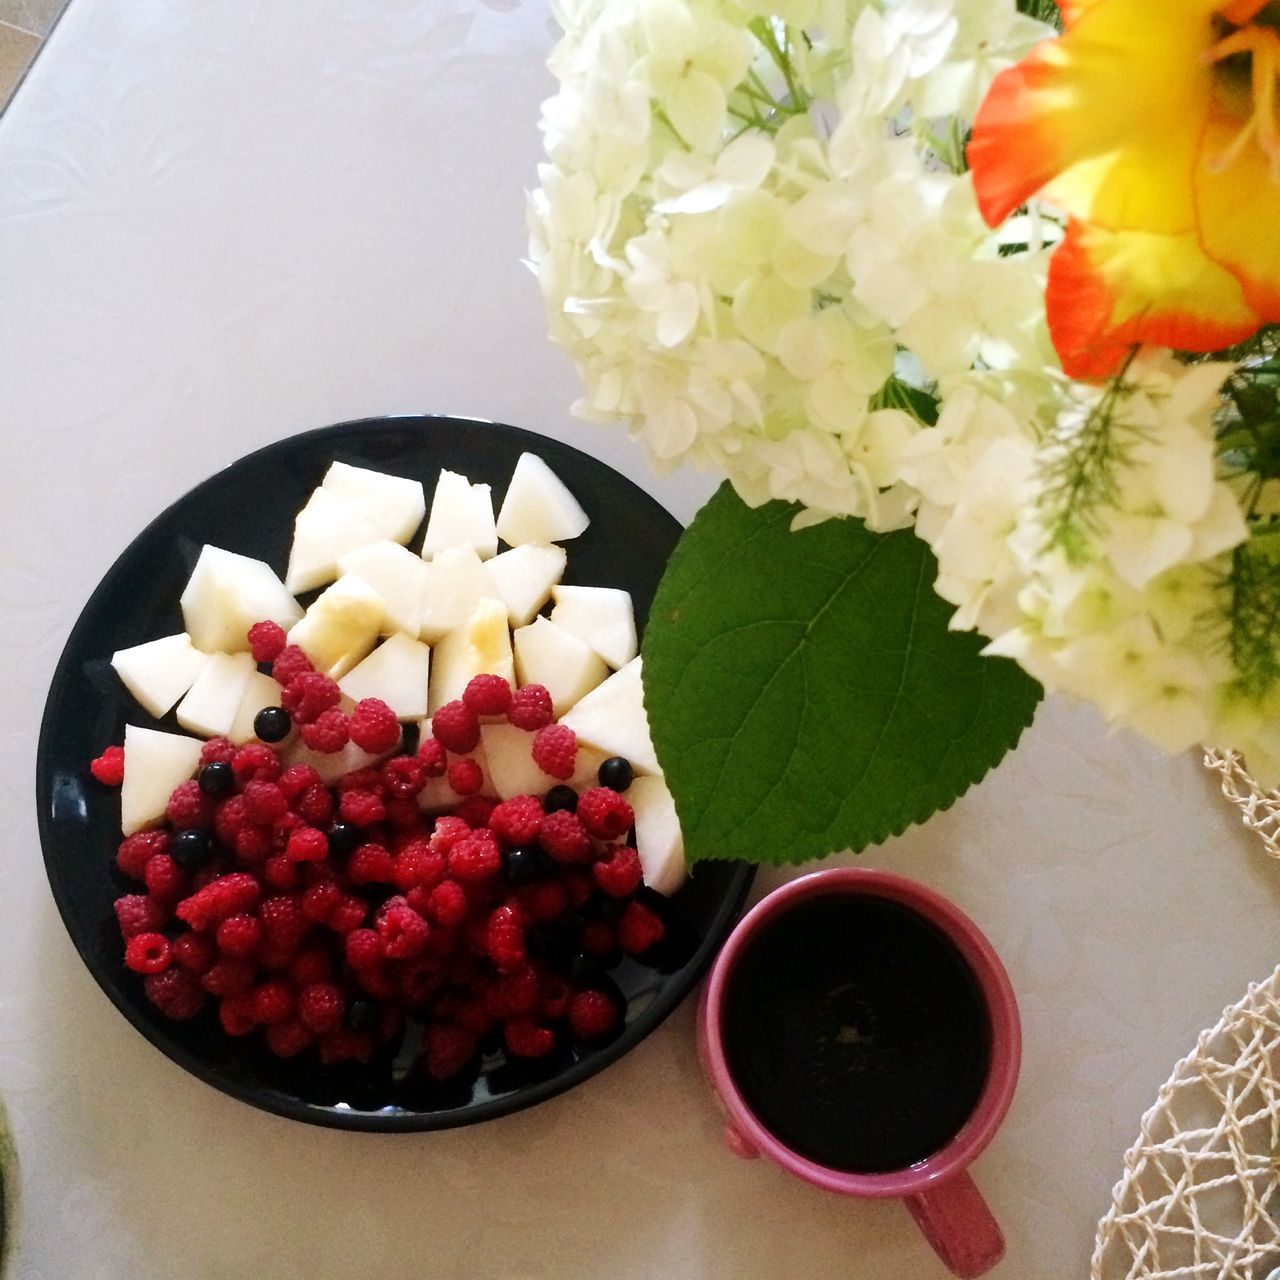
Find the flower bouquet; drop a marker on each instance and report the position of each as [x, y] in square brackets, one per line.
[971, 302]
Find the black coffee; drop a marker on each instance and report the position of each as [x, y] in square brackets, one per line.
[856, 1033]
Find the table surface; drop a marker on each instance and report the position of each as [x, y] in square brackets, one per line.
[225, 221]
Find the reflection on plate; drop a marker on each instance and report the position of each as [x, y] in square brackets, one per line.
[249, 508]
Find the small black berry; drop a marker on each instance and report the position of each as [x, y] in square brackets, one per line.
[522, 863]
[560, 797]
[272, 724]
[216, 779]
[192, 849]
[362, 1015]
[615, 773]
[343, 839]
[552, 942]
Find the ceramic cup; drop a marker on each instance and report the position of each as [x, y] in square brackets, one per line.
[937, 1190]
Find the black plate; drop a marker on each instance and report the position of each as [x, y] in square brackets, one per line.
[249, 508]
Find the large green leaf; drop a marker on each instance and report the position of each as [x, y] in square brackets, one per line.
[804, 693]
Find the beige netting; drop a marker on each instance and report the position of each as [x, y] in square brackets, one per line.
[1260, 809]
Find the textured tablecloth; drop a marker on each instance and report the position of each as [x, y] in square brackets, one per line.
[224, 221]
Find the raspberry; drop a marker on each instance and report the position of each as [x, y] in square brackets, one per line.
[448, 903]
[266, 641]
[252, 845]
[218, 751]
[618, 875]
[466, 777]
[526, 1039]
[349, 914]
[448, 830]
[256, 762]
[290, 663]
[557, 995]
[108, 768]
[518, 820]
[363, 948]
[308, 695]
[599, 939]
[487, 695]
[360, 780]
[592, 1015]
[138, 849]
[345, 1045]
[418, 980]
[447, 1051]
[515, 993]
[315, 805]
[264, 802]
[195, 952]
[563, 837]
[475, 856]
[296, 779]
[530, 707]
[307, 844]
[236, 1014]
[504, 938]
[175, 992]
[166, 881]
[475, 811]
[273, 1001]
[319, 901]
[456, 727]
[362, 808]
[311, 966]
[288, 1039]
[418, 864]
[374, 726]
[328, 732]
[403, 815]
[228, 977]
[475, 1018]
[321, 1007]
[189, 808]
[229, 819]
[376, 980]
[638, 928]
[228, 895]
[403, 777]
[283, 827]
[371, 864]
[282, 920]
[404, 933]
[239, 935]
[555, 748]
[604, 813]
[546, 901]
[578, 885]
[148, 953]
[432, 757]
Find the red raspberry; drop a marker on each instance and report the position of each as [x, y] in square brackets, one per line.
[288, 1039]
[557, 995]
[448, 904]
[555, 748]
[599, 939]
[456, 727]
[319, 901]
[253, 845]
[403, 777]
[349, 914]
[296, 779]
[239, 935]
[515, 993]
[475, 856]
[374, 726]
[321, 1007]
[328, 732]
[448, 830]
[432, 757]
[526, 1039]
[290, 663]
[228, 895]
[283, 827]
[189, 807]
[592, 1015]
[148, 953]
[273, 1001]
[403, 816]
[487, 695]
[619, 874]
[315, 805]
[518, 820]
[266, 641]
[362, 808]
[264, 802]
[418, 864]
[466, 777]
[377, 981]
[579, 886]
[545, 901]
[307, 844]
[364, 948]
[563, 837]
[218, 751]
[166, 881]
[605, 814]
[311, 966]
[504, 938]
[228, 977]
[282, 920]
[229, 819]
[530, 707]
[138, 849]
[475, 811]
[345, 1045]
[195, 952]
[638, 928]
[447, 1051]
[418, 980]
[256, 762]
[308, 695]
[404, 933]
[175, 992]
[108, 768]
[475, 1018]
[236, 1014]
[371, 864]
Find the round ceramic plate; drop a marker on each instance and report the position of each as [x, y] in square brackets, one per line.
[249, 508]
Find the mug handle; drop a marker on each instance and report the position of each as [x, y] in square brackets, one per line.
[958, 1224]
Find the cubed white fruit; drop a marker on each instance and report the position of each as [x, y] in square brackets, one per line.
[659, 840]
[602, 616]
[548, 655]
[612, 717]
[154, 764]
[461, 515]
[397, 575]
[438, 795]
[523, 578]
[211, 703]
[509, 753]
[397, 671]
[454, 583]
[325, 530]
[341, 627]
[159, 672]
[393, 505]
[482, 645]
[261, 691]
[538, 507]
[226, 594]
[336, 764]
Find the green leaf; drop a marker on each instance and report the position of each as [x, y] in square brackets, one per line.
[804, 693]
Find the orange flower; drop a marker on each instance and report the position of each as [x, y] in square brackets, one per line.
[1154, 126]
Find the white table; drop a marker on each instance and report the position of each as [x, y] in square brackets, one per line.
[224, 221]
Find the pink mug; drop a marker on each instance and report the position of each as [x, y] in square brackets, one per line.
[939, 1194]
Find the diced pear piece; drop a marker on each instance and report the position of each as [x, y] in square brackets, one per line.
[336, 764]
[341, 627]
[659, 840]
[523, 578]
[261, 691]
[397, 575]
[455, 582]
[509, 754]
[325, 530]
[226, 594]
[159, 672]
[154, 764]
[482, 645]
[612, 717]
[397, 671]
[548, 655]
[602, 616]
[393, 505]
[210, 706]
[461, 515]
[438, 795]
[538, 507]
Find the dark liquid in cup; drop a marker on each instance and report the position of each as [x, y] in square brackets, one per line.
[856, 1033]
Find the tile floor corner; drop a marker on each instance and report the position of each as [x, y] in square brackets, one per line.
[24, 25]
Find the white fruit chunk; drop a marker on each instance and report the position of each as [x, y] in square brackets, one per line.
[154, 764]
[659, 840]
[438, 795]
[538, 507]
[481, 645]
[397, 671]
[212, 701]
[509, 753]
[393, 505]
[159, 672]
[397, 575]
[335, 764]
[461, 515]
[341, 627]
[325, 530]
[261, 691]
[523, 578]
[612, 717]
[602, 616]
[454, 583]
[226, 594]
[551, 656]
